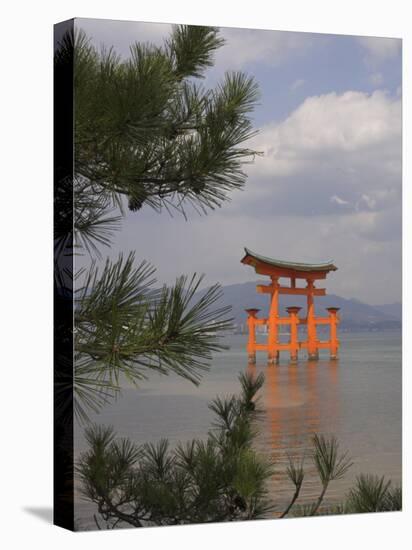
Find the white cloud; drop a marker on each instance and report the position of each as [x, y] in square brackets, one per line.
[380, 49]
[336, 155]
[297, 84]
[347, 122]
[244, 46]
[338, 200]
[326, 128]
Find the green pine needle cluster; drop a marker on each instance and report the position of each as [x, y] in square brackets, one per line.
[219, 479]
[148, 131]
[126, 328]
[371, 493]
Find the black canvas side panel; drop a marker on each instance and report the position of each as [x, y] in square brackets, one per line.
[63, 275]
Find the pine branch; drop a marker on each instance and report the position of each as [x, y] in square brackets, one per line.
[146, 131]
[125, 328]
[373, 494]
[296, 474]
[192, 48]
[329, 464]
[202, 481]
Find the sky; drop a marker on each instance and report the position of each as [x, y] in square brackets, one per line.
[328, 185]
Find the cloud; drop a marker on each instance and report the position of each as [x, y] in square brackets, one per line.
[360, 243]
[121, 34]
[351, 121]
[297, 84]
[338, 200]
[242, 47]
[333, 150]
[246, 46]
[327, 187]
[379, 50]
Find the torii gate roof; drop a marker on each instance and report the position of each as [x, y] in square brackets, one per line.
[256, 260]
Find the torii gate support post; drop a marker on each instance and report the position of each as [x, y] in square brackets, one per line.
[313, 353]
[251, 323]
[273, 351]
[293, 343]
[334, 342]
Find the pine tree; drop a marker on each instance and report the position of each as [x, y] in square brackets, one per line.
[218, 479]
[146, 133]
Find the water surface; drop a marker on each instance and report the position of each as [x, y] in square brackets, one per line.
[357, 398]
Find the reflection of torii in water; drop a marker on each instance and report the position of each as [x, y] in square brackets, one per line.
[297, 403]
[277, 269]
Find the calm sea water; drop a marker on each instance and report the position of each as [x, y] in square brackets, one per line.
[357, 398]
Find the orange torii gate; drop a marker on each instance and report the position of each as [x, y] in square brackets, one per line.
[277, 269]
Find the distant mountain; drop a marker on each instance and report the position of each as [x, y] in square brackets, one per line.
[353, 313]
[395, 310]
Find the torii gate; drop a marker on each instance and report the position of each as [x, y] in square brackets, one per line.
[276, 269]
